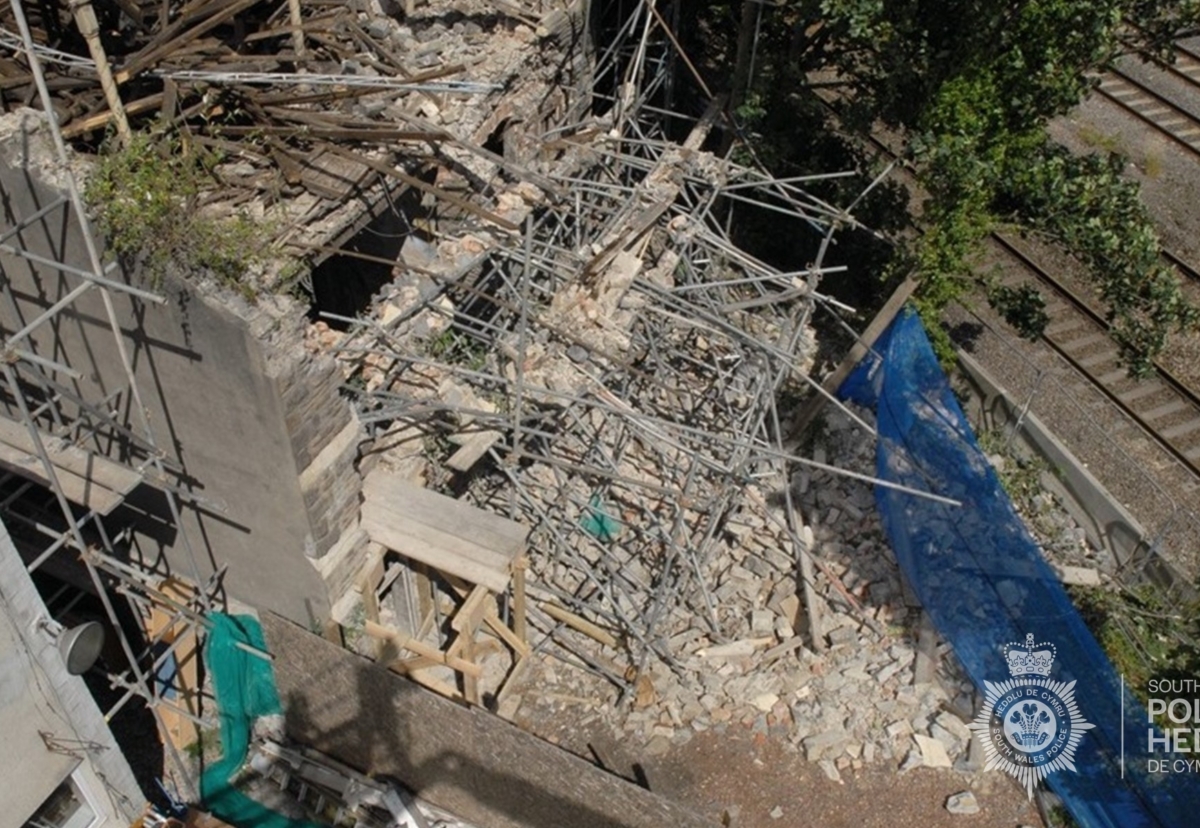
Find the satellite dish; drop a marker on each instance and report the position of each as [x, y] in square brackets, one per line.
[80, 646]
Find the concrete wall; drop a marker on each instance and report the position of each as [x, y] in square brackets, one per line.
[465, 760]
[38, 696]
[231, 394]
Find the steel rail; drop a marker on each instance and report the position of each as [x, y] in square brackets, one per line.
[1153, 120]
[1168, 379]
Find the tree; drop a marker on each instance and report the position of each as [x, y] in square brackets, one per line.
[971, 86]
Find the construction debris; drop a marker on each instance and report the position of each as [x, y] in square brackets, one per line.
[314, 111]
[570, 338]
[615, 374]
[860, 702]
[857, 703]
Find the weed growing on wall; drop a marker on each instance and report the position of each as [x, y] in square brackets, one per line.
[144, 197]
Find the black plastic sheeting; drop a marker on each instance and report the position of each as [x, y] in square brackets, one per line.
[982, 579]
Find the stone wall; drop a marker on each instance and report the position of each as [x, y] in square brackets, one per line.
[324, 437]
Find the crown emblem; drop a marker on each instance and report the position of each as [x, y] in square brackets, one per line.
[1029, 659]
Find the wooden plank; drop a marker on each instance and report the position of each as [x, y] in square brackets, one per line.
[171, 40]
[493, 620]
[370, 600]
[472, 448]
[506, 537]
[440, 531]
[170, 101]
[466, 645]
[180, 730]
[427, 544]
[89, 27]
[519, 611]
[102, 119]
[438, 686]
[426, 187]
[581, 624]
[404, 642]
[832, 382]
[470, 614]
[77, 489]
[331, 176]
[99, 469]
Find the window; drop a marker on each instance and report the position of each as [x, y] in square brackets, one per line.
[65, 808]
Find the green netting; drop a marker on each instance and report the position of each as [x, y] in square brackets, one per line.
[245, 689]
[598, 522]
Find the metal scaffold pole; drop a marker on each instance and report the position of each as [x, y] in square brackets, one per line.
[26, 372]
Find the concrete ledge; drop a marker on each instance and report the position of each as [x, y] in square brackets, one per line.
[465, 760]
[1108, 524]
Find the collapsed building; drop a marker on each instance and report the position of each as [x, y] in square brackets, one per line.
[503, 382]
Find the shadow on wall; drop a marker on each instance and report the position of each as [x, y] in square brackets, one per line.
[460, 759]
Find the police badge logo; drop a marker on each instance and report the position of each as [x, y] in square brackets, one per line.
[1030, 725]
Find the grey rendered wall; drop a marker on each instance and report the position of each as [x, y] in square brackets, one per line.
[214, 394]
[38, 696]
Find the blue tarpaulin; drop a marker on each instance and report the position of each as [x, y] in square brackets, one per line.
[981, 577]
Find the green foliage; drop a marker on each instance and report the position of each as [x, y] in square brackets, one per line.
[144, 198]
[1020, 474]
[206, 746]
[1022, 307]
[456, 348]
[970, 86]
[973, 89]
[1143, 637]
[1096, 212]
[1060, 817]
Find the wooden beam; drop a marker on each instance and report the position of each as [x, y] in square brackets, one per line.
[426, 187]
[89, 27]
[297, 28]
[582, 625]
[404, 642]
[102, 119]
[860, 348]
[519, 610]
[175, 36]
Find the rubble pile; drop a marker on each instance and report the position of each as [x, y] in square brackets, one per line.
[607, 378]
[851, 698]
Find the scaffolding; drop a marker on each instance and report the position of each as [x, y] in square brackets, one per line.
[608, 371]
[70, 459]
[612, 374]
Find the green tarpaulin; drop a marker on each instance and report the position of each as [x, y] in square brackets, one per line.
[245, 688]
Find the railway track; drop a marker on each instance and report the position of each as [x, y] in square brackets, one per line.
[1151, 107]
[1189, 273]
[1163, 407]
[1166, 409]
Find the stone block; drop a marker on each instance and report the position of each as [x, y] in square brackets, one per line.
[933, 752]
[963, 803]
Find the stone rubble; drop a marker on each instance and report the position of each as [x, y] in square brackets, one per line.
[963, 803]
[854, 703]
[851, 701]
